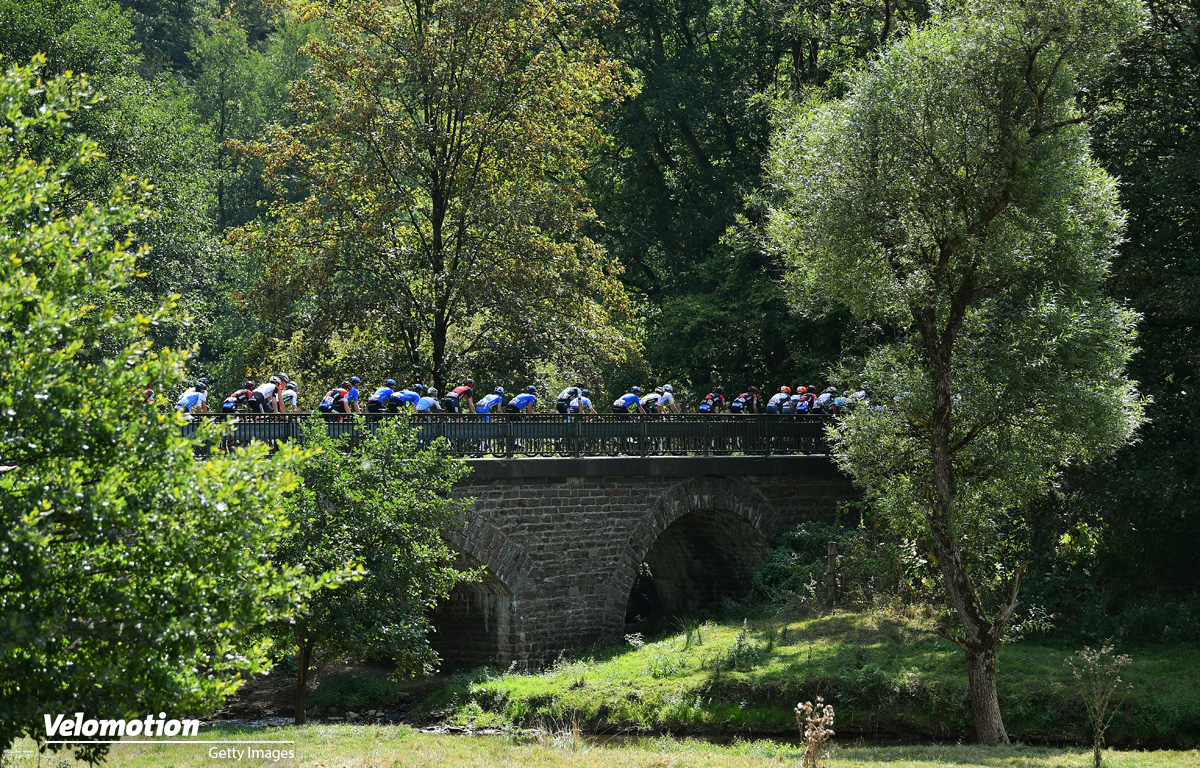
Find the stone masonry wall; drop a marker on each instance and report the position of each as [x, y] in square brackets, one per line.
[563, 540]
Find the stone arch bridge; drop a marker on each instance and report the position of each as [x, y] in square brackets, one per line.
[564, 540]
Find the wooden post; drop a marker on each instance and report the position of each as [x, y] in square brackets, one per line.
[831, 573]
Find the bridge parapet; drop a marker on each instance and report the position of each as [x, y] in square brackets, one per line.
[511, 435]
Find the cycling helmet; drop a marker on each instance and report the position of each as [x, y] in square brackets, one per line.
[578, 385]
[432, 392]
[531, 389]
[658, 390]
[273, 380]
[719, 390]
[468, 382]
[587, 393]
[201, 386]
[754, 390]
[802, 390]
[636, 390]
[786, 389]
[291, 385]
[831, 390]
[391, 383]
[418, 387]
[573, 392]
[283, 377]
[668, 388]
[355, 380]
[248, 385]
[202, 380]
[498, 391]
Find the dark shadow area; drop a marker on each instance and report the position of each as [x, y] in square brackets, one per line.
[474, 626]
[702, 559]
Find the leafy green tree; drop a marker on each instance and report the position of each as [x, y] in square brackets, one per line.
[951, 196]
[431, 197]
[1142, 503]
[382, 507]
[672, 186]
[132, 572]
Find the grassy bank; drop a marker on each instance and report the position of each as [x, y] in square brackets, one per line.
[884, 673]
[351, 746]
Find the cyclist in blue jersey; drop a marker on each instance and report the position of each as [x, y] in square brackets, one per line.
[377, 402]
[798, 402]
[630, 402]
[493, 401]
[522, 402]
[193, 398]
[429, 403]
[406, 398]
[352, 395]
[582, 404]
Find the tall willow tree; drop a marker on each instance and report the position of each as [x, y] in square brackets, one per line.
[951, 197]
[431, 197]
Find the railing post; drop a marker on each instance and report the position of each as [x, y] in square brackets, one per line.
[575, 429]
[707, 436]
[508, 438]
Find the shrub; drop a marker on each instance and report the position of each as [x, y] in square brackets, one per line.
[348, 692]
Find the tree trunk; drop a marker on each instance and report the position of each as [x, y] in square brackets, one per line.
[985, 704]
[303, 661]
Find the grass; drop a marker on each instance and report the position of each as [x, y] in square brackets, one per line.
[352, 746]
[884, 673]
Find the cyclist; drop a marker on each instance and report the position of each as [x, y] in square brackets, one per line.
[651, 401]
[563, 404]
[429, 403]
[406, 397]
[800, 401]
[335, 399]
[824, 402]
[377, 402]
[522, 402]
[456, 396]
[747, 402]
[194, 397]
[352, 395]
[668, 399]
[290, 397]
[779, 401]
[494, 400]
[713, 402]
[238, 399]
[629, 400]
[265, 398]
[583, 403]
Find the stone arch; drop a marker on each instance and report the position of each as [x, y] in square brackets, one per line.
[476, 624]
[705, 537]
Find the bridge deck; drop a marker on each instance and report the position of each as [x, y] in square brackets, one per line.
[554, 434]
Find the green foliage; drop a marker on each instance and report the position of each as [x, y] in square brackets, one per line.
[1129, 569]
[353, 693]
[671, 186]
[982, 232]
[379, 507]
[425, 223]
[133, 572]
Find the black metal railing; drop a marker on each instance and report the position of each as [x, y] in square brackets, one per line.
[551, 434]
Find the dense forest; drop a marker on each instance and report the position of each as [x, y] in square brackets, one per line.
[613, 231]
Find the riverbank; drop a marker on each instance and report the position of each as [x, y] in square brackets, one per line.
[349, 746]
[888, 675]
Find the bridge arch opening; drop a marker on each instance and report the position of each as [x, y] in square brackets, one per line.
[699, 560]
[473, 626]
